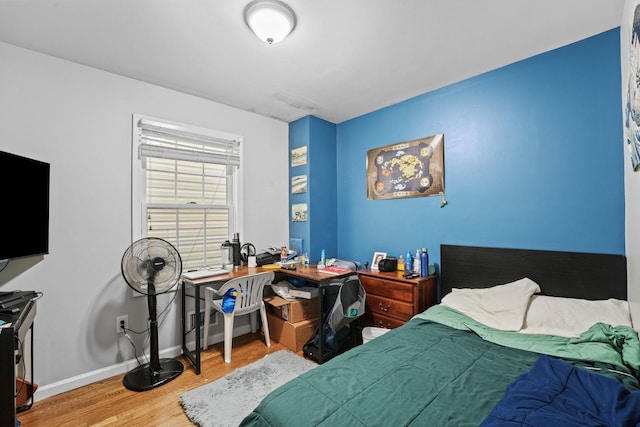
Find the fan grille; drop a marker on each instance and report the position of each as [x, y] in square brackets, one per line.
[151, 261]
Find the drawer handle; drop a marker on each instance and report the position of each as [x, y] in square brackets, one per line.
[382, 324]
[382, 307]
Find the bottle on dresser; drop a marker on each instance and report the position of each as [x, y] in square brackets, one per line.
[424, 263]
[416, 262]
[408, 262]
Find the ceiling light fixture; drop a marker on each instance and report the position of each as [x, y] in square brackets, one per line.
[270, 20]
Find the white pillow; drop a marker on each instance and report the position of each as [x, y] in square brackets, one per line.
[569, 317]
[500, 307]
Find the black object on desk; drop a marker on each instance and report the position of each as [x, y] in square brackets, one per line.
[13, 299]
[11, 340]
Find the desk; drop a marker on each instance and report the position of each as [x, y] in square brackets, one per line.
[11, 339]
[309, 273]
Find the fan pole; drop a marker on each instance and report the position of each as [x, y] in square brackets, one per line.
[154, 364]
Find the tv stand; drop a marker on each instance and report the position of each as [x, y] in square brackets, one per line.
[11, 348]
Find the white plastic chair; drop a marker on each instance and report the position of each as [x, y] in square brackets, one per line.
[248, 301]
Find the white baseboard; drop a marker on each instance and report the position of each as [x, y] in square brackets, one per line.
[49, 390]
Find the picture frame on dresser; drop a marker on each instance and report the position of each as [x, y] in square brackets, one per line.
[377, 257]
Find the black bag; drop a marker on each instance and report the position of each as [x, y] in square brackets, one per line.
[344, 302]
[265, 258]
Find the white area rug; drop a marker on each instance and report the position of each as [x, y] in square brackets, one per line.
[226, 401]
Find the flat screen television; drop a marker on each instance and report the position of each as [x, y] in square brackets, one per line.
[24, 215]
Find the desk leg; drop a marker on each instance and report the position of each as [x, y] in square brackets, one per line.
[321, 323]
[195, 356]
[197, 326]
[183, 307]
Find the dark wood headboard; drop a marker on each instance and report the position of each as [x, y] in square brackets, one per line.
[565, 274]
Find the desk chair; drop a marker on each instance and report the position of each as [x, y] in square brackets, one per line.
[248, 301]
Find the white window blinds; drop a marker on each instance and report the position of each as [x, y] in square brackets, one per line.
[188, 187]
[169, 141]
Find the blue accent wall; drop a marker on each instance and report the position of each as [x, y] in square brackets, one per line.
[533, 159]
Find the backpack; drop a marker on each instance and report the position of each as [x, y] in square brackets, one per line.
[344, 302]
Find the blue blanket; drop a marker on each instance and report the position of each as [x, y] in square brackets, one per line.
[554, 393]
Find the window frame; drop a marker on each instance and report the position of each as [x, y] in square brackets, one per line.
[139, 174]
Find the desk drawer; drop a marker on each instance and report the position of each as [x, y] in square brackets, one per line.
[389, 307]
[388, 288]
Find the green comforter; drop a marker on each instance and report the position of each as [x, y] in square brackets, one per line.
[424, 373]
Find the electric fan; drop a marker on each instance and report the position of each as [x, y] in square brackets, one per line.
[152, 266]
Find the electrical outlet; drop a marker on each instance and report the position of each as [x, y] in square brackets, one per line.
[122, 323]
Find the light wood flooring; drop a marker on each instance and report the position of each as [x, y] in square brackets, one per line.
[109, 403]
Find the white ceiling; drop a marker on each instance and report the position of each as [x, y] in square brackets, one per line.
[345, 58]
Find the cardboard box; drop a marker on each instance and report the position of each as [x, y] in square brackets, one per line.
[294, 310]
[291, 335]
[307, 292]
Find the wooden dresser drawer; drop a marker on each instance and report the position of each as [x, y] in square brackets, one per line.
[381, 321]
[389, 307]
[388, 288]
[393, 299]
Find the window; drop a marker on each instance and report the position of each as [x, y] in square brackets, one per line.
[185, 181]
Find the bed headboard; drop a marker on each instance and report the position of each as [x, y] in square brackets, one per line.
[565, 274]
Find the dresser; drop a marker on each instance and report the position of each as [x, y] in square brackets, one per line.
[392, 300]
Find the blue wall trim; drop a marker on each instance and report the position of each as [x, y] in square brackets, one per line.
[533, 159]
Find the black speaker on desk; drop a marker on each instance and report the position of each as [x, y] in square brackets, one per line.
[388, 264]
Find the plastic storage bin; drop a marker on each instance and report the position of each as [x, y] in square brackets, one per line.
[370, 333]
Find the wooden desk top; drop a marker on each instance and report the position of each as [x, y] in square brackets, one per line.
[307, 272]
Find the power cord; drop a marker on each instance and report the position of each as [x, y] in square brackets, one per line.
[161, 316]
[133, 344]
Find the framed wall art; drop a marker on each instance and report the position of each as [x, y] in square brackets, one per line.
[298, 184]
[632, 104]
[406, 169]
[299, 156]
[299, 212]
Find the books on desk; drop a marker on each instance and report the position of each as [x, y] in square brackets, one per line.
[335, 270]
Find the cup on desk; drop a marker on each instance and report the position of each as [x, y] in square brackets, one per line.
[251, 261]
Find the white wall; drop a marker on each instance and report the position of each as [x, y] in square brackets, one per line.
[79, 120]
[631, 179]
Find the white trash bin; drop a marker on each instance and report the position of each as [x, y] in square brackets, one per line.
[370, 333]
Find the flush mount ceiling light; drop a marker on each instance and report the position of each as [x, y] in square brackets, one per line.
[270, 20]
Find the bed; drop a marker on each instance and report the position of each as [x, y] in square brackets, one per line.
[448, 366]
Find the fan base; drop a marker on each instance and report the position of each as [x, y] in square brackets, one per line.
[144, 378]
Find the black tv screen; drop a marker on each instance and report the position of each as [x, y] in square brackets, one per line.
[24, 216]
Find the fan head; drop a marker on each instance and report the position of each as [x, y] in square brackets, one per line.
[151, 266]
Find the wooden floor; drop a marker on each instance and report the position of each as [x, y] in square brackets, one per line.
[109, 403]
